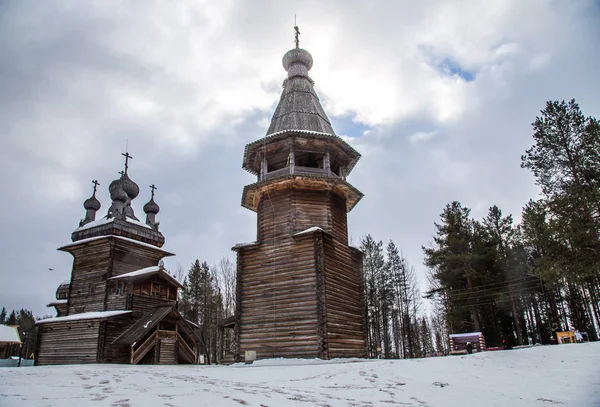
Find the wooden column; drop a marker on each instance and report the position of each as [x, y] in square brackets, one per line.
[263, 167]
[327, 163]
[292, 160]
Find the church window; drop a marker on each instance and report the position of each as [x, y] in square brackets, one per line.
[309, 159]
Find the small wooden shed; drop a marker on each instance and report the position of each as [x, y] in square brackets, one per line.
[458, 342]
[9, 336]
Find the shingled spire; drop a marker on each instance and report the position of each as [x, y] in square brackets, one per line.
[299, 107]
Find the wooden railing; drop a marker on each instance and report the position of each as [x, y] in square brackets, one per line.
[185, 349]
[298, 170]
[143, 349]
[138, 354]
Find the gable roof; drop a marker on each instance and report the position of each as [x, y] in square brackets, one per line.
[9, 334]
[147, 272]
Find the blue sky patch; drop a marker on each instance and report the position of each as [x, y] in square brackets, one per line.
[454, 68]
[345, 125]
[446, 65]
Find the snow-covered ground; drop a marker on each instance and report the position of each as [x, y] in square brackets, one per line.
[567, 375]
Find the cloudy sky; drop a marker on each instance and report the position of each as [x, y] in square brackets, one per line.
[438, 96]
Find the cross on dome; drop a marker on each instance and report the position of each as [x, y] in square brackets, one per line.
[152, 187]
[297, 40]
[127, 157]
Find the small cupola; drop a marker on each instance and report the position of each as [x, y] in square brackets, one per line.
[151, 209]
[91, 206]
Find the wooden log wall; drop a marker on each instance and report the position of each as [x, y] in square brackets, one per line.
[113, 328]
[91, 267]
[116, 301]
[282, 213]
[310, 208]
[277, 308]
[346, 328]
[339, 218]
[300, 296]
[130, 257]
[274, 216]
[97, 261]
[68, 342]
[144, 304]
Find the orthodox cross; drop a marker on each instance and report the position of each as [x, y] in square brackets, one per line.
[152, 187]
[297, 33]
[96, 183]
[127, 157]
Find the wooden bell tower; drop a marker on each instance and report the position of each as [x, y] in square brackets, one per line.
[299, 285]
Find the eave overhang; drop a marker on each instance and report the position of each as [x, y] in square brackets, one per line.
[252, 149]
[253, 192]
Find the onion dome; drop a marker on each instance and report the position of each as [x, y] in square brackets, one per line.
[117, 193]
[151, 207]
[92, 203]
[130, 187]
[297, 62]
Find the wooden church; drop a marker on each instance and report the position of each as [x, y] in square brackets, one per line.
[120, 305]
[300, 285]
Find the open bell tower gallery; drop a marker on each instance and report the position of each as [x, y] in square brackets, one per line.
[300, 285]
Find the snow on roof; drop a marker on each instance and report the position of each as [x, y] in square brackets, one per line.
[92, 239]
[66, 282]
[57, 302]
[147, 270]
[247, 244]
[84, 316]
[309, 230]
[151, 246]
[9, 334]
[106, 220]
[137, 222]
[464, 335]
[95, 223]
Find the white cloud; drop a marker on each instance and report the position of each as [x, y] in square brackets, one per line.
[188, 84]
[421, 136]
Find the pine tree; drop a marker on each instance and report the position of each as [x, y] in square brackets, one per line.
[500, 230]
[3, 316]
[451, 261]
[373, 267]
[565, 160]
[12, 319]
[202, 305]
[426, 337]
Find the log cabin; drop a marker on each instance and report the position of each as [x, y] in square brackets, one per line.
[300, 285]
[120, 305]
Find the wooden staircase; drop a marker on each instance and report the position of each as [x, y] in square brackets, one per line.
[138, 354]
[184, 352]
